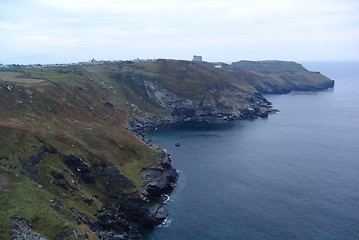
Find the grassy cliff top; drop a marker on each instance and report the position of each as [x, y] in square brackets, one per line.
[270, 66]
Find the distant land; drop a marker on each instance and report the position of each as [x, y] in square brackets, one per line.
[73, 158]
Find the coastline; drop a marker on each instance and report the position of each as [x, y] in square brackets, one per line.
[131, 177]
[160, 179]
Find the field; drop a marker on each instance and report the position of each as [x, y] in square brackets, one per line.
[18, 77]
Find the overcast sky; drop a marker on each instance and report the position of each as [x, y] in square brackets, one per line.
[56, 31]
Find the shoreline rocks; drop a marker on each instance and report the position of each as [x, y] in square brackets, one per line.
[138, 126]
[159, 179]
[129, 213]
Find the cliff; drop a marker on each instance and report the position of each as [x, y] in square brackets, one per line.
[73, 162]
[281, 76]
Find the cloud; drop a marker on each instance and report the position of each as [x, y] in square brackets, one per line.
[156, 28]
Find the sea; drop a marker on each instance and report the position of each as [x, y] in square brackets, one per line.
[294, 175]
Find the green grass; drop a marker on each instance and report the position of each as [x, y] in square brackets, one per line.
[23, 198]
[68, 75]
[17, 77]
[133, 169]
[53, 164]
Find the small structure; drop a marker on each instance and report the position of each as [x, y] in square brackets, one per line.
[197, 58]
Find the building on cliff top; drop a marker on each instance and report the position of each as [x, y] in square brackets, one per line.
[197, 58]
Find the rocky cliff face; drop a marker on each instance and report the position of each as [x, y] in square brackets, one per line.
[145, 208]
[220, 102]
[78, 190]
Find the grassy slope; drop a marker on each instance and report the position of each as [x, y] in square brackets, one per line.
[190, 79]
[68, 112]
[281, 76]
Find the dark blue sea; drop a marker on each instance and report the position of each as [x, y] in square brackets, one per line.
[294, 175]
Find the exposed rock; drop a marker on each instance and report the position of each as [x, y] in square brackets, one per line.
[129, 211]
[30, 164]
[21, 230]
[80, 218]
[111, 220]
[159, 212]
[144, 212]
[109, 104]
[89, 201]
[222, 103]
[57, 205]
[164, 97]
[113, 178]
[9, 86]
[159, 179]
[80, 168]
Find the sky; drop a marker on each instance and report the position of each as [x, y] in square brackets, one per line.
[66, 31]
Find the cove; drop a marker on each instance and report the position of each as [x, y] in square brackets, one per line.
[294, 175]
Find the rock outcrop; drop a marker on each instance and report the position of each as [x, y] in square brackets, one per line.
[221, 103]
[160, 178]
[146, 208]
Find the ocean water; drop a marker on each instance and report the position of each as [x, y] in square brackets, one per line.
[294, 175]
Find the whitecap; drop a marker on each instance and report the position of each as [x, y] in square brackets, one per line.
[165, 223]
[167, 198]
